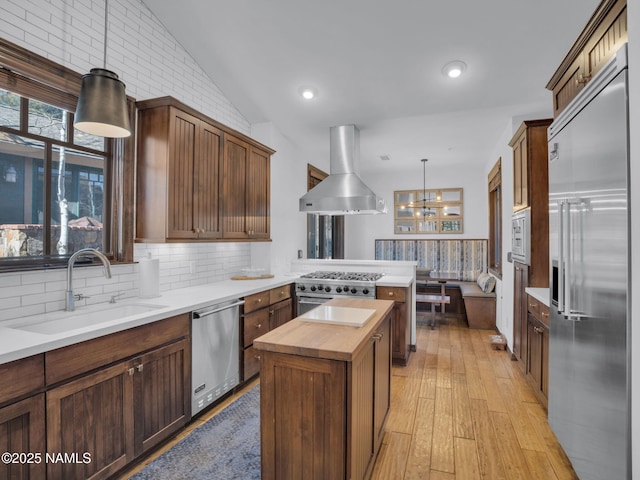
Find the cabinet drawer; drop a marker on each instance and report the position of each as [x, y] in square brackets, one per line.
[255, 301]
[83, 357]
[280, 293]
[255, 325]
[251, 362]
[533, 306]
[544, 315]
[21, 377]
[391, 293]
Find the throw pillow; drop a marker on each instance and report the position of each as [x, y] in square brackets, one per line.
[486, 282]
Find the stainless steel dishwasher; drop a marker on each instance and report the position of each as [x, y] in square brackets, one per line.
[215, 351]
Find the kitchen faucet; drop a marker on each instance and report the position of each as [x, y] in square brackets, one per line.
[72, 259]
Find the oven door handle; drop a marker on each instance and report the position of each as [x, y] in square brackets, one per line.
[318, 301]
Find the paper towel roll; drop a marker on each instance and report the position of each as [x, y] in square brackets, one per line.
[149, 277]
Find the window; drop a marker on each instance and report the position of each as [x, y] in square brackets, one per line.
[428, 211]
[325, 233]
[495, 219]
[60, 189]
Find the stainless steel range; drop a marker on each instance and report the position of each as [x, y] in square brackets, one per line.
[315, 288]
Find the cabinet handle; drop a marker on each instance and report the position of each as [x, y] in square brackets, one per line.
[538, 329]
[270, 312]
[282, 293]
[259, 300]
[259, 325]
[544, 314]
[533, 305]
[257, 357]
[391, 294]
[582, 79]
[141, 367]
[132, 371]
[377, 336]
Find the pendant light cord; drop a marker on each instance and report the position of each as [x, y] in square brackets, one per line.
[424, 187]
[106, 18]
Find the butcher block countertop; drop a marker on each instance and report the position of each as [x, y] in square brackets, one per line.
[323, 340]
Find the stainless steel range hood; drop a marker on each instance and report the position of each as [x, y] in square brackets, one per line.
[342, 192]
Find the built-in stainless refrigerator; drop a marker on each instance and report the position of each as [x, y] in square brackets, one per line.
[589, 344]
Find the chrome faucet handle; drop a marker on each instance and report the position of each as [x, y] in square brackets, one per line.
[113, 297]
[79, 296]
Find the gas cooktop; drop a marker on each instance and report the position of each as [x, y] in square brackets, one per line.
[344, 276]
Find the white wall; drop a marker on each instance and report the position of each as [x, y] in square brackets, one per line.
[361, 231]
[152, 64]
[288, 184]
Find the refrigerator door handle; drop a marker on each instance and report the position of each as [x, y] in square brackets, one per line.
[568, 310]
[561, 271]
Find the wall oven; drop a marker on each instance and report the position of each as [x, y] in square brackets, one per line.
[521, 236]
[316, 288]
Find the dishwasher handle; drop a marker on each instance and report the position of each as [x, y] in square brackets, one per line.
[206, 313]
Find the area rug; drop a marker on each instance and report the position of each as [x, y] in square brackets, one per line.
[225, 447]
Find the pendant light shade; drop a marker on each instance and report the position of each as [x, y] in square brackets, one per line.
[102, 106]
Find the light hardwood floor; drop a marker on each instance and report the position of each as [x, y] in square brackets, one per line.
[459, 411]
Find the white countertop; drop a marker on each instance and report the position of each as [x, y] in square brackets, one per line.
[16, 343]
[540, 294]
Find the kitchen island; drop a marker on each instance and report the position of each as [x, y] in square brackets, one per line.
[325, 392]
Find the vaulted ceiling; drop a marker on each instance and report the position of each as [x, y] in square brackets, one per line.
[378, 64]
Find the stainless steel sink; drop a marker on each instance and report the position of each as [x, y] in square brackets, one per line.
[81, 318]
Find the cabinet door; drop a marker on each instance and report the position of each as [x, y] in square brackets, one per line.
[234, 177]
[258, 194]
[362, 407]
[92, 415]
[206, 191]
[520, 280]
[182, 144]
[280, 313]
[22, 430]
[162, 394]
[520, 174]
[382, 380]
[534, 351]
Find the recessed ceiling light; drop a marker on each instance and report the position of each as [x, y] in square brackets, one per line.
[308, 93]
[454, 69]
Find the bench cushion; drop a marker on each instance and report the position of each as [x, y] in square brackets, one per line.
[471, 289]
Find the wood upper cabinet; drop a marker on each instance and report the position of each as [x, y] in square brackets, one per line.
[178, 165]
[603, 35]
[531, 190]
[245, 190]
[198, 180]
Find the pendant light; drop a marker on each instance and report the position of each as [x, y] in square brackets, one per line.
[102, 105]
[424, 186]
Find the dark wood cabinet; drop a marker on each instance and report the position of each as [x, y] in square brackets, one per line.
[117, 396]
[520, 283]
[605, 32]
[197, 179]
[178, 175]
[401, 321]
[245, 190]
[22, 430]
[328, 420]
[263, 311]
[538, 348]
[93, 415]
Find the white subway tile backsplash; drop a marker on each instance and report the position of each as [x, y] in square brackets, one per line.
[151, 63]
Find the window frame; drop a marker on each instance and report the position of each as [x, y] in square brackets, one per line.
[438, 206]
[34, 77]
[495, 219]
